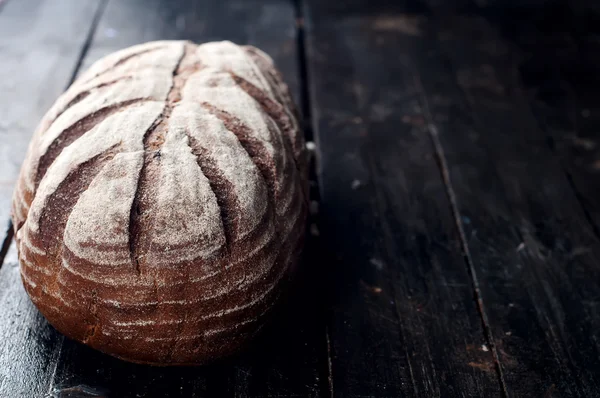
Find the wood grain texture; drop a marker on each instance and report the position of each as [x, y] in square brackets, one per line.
[33, 72]
[404, 320]
[531, 240]
[557, 68]
[29, 346]
[533, 249]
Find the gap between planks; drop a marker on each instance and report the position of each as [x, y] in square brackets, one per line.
[305, 99]
[88, 40]
[445, 174]
[9, 234]
[307, 124]
[8, 237]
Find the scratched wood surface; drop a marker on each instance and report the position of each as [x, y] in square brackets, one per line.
[531, 245]
[403, 321]
[457, 242]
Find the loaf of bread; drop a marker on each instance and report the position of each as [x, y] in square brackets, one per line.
[161, 207]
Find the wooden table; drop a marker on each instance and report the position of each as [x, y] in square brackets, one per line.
[456, 248]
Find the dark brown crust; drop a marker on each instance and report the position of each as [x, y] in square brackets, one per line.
[139, 221]
[83, 95]
[273, 109]
[123, 61]
[284, 98]
[74, 132]
[294, 142]
[52, 225]
[252, 146]
[228, 203]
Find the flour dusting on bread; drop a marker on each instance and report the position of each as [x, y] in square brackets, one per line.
[162, 202]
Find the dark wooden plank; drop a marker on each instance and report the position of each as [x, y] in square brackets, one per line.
[559, 74]
[28, 345]
[404, 319]
[289, 358]
[530, 243]
[40, 42]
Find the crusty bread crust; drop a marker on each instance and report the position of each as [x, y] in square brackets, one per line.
[162, 203]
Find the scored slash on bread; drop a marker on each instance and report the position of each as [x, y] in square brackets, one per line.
[162, 204]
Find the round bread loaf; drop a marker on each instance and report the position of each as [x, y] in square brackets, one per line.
[161, 207]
